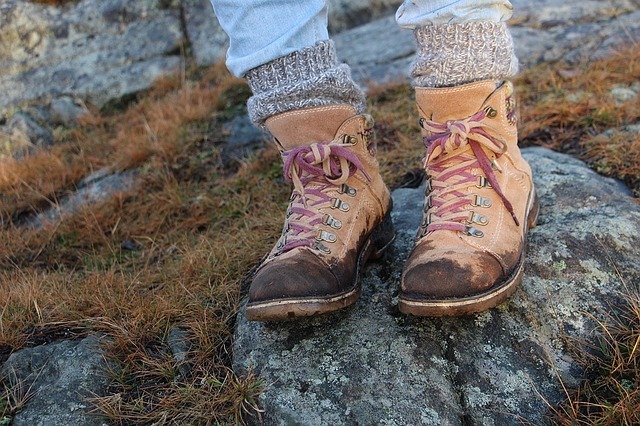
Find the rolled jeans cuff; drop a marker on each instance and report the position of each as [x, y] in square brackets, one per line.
[418, 13]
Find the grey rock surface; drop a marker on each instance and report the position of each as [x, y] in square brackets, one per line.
[65, 110]
[577, 43]
[551, 13]
[348, 14]
[99, 50]
[21, 134]
[377, 51]
[179, 344]
[623, 93]
[371, 365]
[207, 39]
[242, 137]
[59, 377]
[92, 190]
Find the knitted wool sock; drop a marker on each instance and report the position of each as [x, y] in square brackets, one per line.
[454, 54]
[307, 78]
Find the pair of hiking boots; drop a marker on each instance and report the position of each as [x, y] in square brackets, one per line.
[479, 204]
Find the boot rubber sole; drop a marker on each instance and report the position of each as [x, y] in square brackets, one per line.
[374, 247]
[478, 302]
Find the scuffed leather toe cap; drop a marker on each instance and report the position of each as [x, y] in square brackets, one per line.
[446, 277]
[295, 278]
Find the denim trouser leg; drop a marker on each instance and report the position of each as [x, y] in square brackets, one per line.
[263, 30]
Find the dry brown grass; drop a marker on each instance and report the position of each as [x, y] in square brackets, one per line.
[199, 225]
[76, 275]
[569, 108]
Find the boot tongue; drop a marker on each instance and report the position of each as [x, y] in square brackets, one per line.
[306, 126]
[453, 103]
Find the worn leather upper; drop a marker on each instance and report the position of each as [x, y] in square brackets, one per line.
[447, 263]
[304, 272]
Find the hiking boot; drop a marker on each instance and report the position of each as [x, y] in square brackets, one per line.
[338, 216]
[479, 203]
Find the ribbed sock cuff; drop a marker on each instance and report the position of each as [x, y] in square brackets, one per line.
[307, 78]
[454, 54]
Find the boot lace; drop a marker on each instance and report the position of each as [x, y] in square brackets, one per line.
[455, 148]
[314, 170]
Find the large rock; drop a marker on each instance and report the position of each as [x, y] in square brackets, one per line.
[99, 50]
[59, 378]
[371, 365]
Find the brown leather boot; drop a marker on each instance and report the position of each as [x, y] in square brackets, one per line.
[338, 217]
[479, 203]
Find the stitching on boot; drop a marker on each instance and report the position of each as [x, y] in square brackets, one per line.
[305, 111]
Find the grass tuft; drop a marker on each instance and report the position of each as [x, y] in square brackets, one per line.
[611, 394]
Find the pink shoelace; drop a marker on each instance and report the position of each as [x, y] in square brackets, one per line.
[453, 149]
[314, 169]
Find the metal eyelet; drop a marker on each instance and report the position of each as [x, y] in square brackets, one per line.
[331, 221]
[470, 230]
[421, 122]
[483, 182]
[491, 112]
[321, 247]
[479, 218]
[427, 203]
[337, 203]
[426, 221]
[479, 201]
[326, 236]
[349, 140]
[346, 189]
[428, 187]
[281, 242]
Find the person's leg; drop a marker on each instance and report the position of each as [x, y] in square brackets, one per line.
[480, 201]
[282, 48]
[263, 30]
[338, 215]
[459, 41]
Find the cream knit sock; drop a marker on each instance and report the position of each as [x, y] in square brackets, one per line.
[454, 54]
[307, 78]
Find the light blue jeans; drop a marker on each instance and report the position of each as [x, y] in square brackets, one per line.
[263, 30]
